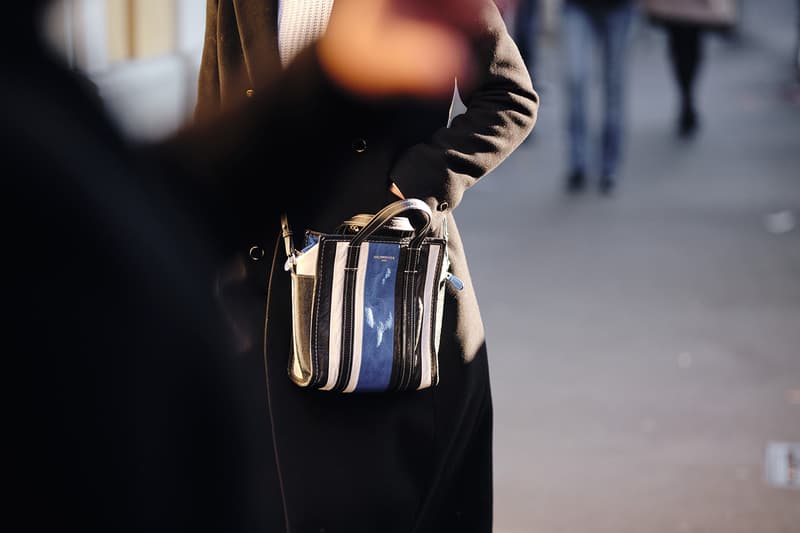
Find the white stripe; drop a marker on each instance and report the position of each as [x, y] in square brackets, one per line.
[306, 262]
[335, 324]
[426, 351]
[358, 319]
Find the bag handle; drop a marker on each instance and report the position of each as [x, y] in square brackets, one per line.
[392, 210]
[379, 219]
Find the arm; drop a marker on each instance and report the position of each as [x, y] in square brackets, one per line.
[501, 111]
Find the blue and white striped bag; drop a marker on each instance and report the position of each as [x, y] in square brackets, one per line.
[367, 304]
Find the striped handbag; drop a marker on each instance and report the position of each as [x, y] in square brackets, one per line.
[367, 302]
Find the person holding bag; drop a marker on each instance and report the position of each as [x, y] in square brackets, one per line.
[686, 22]
[414, 460]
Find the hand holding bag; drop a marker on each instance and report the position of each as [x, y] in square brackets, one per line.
[367, 302]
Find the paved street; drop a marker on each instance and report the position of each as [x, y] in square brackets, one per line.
[645, 348]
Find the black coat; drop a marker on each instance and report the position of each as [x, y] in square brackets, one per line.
[417, 461]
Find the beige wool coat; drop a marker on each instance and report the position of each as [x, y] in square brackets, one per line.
[721, 13]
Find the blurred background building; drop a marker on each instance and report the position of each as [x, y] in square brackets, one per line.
[142, 54]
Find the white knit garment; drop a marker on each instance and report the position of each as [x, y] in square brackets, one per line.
[299, 23]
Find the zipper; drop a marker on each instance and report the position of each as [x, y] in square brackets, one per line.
[454, 281]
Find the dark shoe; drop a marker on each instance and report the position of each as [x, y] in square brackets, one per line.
[607, 185]
[576, 182]
[687, 123]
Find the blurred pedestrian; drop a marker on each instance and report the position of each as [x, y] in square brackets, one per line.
[126, 417]
[585, 24]
[797, 46]
[391, 462]
[527, 23]
[686, 22]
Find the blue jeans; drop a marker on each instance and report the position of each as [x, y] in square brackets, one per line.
[583, 27]
[797, 46]
[526, 31]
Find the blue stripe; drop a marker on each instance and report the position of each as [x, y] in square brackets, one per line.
[378, 336]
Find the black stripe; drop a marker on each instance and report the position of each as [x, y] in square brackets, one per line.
[321, 324]
[410, 315]
[415, 359]
[397, 354]
[402, 318]
[348, 317]
[438, 294]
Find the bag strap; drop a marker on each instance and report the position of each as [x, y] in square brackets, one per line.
[270, 399]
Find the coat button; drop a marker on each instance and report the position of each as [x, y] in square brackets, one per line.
[256, 253]
[250, 93]
[442, 206]
[359, 145]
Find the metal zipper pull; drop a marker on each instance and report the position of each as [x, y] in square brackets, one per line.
[454, 281]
